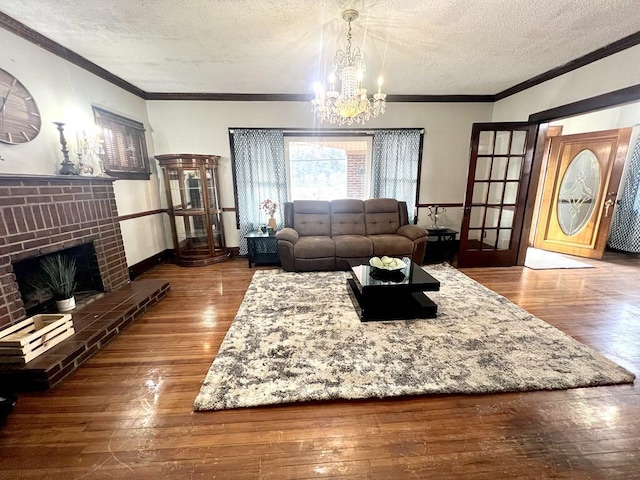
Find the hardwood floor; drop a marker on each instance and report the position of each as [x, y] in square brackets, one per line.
[127, 412]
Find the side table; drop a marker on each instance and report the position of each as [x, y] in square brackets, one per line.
[441, 245]
[262, 249]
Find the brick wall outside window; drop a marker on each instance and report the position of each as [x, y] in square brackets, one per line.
[356, 163]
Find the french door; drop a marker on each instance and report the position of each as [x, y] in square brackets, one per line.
[580, 190]
[497, 186]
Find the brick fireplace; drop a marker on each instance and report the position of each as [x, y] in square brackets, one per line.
[45, 214]
[40, 215]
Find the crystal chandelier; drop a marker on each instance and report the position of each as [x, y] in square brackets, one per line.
[350, 105]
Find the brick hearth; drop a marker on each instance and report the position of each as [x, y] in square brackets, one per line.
[95, 325]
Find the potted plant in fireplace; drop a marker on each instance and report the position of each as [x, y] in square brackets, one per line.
[57, 277]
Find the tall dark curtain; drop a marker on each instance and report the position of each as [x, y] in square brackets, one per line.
[394, 165]
[260, 173]
[625, 227]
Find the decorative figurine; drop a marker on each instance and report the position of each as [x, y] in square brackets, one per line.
[434, 215]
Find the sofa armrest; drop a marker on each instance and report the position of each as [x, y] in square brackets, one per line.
[288, 234]
[412, 232]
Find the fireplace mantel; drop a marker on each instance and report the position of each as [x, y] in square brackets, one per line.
[34, 178]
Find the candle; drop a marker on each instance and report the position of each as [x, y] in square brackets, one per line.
[332, 80]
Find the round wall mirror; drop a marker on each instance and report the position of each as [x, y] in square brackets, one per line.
[578, 192]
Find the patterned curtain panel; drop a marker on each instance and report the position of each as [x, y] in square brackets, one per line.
[394, 169]
[625, 227]
[260, 175]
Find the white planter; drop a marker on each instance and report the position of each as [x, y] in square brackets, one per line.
[66, 305]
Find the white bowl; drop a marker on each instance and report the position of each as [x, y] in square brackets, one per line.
[387, 263]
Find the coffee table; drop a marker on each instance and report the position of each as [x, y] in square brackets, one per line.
[397, 295]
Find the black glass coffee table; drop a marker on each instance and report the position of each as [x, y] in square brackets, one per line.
[392, 295]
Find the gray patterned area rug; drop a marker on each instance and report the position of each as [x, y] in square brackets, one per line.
[296, 337]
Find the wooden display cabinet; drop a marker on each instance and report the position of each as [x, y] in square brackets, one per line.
[191, 182]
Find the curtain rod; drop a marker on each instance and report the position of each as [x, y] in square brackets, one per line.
[325, 131]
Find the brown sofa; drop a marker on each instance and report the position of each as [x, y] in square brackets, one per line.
[323, 235]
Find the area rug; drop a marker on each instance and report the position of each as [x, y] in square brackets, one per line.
[296, 337]
[543, 260]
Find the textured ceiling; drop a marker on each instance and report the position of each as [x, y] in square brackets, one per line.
[437, 47]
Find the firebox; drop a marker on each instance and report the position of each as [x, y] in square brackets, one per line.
[88, 279]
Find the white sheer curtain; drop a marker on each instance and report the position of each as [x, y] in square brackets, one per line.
[394, 166]
[260, 174]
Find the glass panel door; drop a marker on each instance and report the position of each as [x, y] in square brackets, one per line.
[499, 169]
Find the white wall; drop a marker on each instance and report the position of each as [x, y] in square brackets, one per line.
[65, 93]
[202, 127]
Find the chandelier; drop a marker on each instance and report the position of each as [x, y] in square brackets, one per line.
[350, 105]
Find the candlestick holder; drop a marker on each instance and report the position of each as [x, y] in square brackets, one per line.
[67, 166]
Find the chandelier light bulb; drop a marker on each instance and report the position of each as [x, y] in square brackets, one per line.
[317, 87]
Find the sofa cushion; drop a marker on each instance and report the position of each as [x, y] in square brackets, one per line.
[391, 245]
[381, 216]
[314, 247]
[312, 217]
[353, 246]
[347, 217]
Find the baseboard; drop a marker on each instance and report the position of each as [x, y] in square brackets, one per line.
[235, 251]
[148, 263]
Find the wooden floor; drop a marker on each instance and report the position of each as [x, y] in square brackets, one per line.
[127, 412]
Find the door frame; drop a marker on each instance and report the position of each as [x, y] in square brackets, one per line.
[531, 204]
[604, 101]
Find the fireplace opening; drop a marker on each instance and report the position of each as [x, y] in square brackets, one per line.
[88, 279]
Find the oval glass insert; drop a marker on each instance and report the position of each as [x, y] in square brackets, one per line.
[578, 192]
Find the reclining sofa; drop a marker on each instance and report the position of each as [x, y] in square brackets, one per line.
[325, 235]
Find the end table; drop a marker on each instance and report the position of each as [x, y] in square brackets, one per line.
[441, 245]
[262, 249]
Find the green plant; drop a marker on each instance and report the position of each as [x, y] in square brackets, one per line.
[57, 276]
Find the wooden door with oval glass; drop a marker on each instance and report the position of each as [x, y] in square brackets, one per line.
[497, 187]
[580, 190]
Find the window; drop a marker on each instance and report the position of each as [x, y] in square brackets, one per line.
[328, 169]
[295, 165]
[124, 145]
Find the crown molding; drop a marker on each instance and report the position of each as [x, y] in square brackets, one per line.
[611, 49]
[20, 29]
[441, 98]
[592, 104]
[231, 97]
[303, 97]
